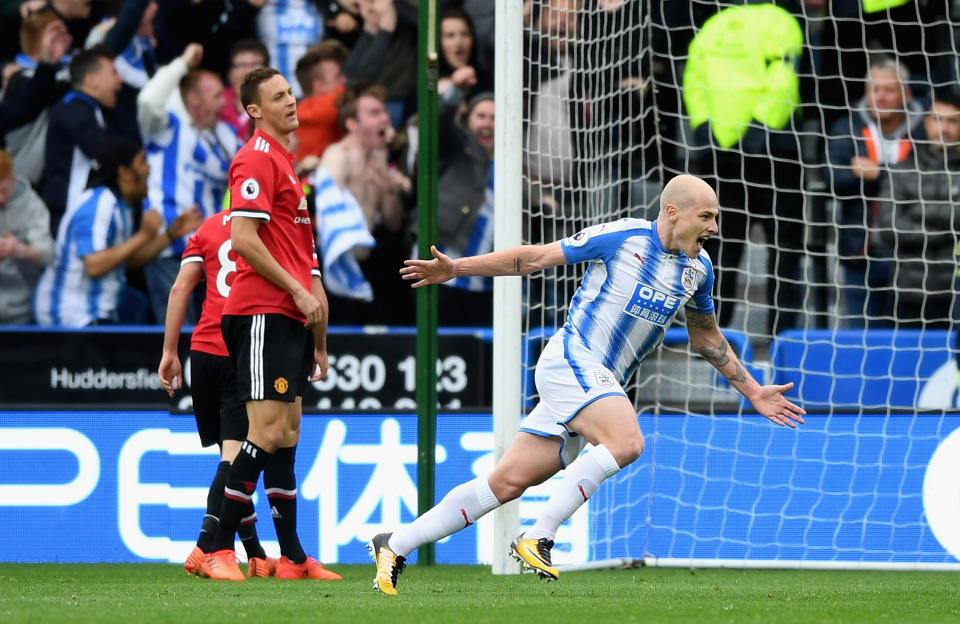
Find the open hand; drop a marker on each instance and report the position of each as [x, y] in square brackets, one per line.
[436, 271]
[771, 403]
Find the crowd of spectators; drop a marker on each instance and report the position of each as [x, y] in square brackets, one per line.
[858, 96]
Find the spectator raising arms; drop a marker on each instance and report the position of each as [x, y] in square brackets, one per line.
[24, 111]
[189, 151]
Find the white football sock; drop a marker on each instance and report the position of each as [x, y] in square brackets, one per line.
[580, 480]
[461, 507]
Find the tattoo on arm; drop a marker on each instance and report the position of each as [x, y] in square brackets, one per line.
[716, 355]
[698, 320]
[516, 265]
[739, 374]
[719, 358]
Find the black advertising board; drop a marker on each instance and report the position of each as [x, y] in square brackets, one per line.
[370, 369]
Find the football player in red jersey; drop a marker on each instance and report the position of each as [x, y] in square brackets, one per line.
[221, 416]
[274, 324]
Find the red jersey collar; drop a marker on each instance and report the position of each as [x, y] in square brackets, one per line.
[274, 144]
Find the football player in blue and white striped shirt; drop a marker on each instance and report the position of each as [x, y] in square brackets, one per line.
[641, 274]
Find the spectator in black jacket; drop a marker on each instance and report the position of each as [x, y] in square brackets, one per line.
[919, 219]
[130, 36]
[862, 146]
[465, 203]
[77, 128]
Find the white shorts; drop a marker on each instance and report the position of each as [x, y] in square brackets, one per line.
[565, 387]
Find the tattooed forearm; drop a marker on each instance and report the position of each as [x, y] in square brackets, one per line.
[516, 264]
[716, 355]
[696, 320]
[719, 357]
[739, 374]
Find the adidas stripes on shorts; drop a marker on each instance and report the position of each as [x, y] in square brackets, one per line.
[273, 354]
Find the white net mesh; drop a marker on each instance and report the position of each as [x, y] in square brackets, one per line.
[814, 284]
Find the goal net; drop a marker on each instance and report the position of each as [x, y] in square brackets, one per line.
[815, 284]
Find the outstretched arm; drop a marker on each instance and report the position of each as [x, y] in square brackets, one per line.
[514, 261]
[706, 339]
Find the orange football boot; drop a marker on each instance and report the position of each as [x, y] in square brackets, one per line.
[309, 569]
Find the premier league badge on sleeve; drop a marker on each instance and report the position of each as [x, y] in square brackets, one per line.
[579, 239]
[250, 189]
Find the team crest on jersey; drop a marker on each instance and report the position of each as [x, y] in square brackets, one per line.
[280, 385]
[250, 189]
[579, 239]
[303, 204]
[688, 278]
[603, 377]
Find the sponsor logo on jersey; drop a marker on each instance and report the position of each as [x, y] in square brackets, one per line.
[688, 278]
[652, 305]
[579, 239]
[302, 206]
[280, 385]
[603, 377]
[250, 189]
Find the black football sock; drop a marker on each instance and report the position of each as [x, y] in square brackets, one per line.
[248, 534]
[211, 520]
[238, 491]
[281, 486]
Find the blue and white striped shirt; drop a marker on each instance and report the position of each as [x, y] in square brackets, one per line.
[136, 63]
[630, 294]
[288, 28]
[188, 166]
[66, 294]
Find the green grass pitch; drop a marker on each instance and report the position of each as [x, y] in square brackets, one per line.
[146, 593]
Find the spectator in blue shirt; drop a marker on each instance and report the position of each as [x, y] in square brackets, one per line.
[85, 282]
